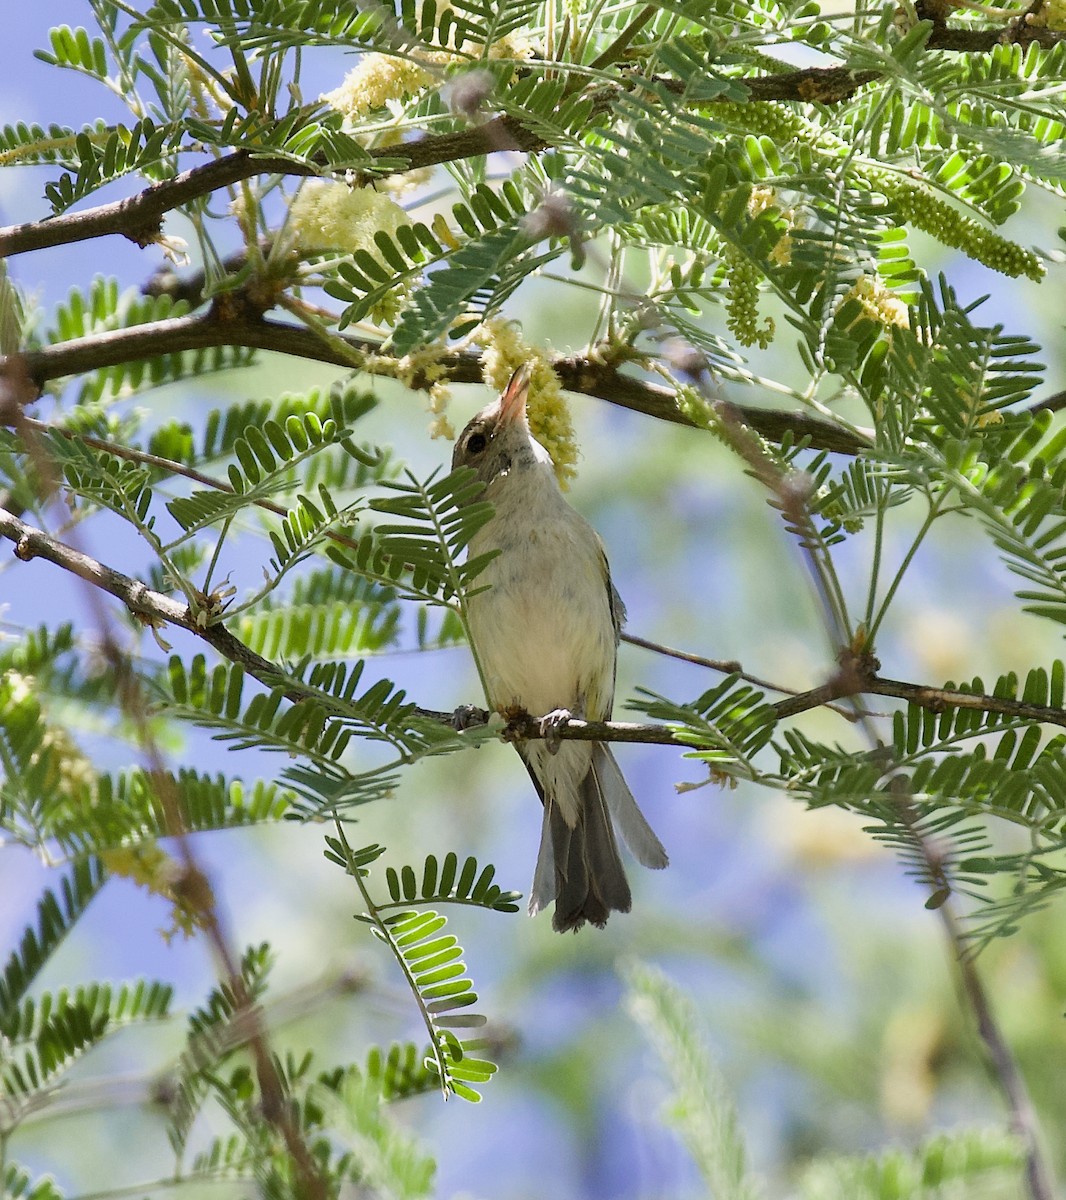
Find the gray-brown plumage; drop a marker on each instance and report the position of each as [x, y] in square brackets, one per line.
[545, 633]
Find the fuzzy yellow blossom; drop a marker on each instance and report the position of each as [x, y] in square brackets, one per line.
[333, 216]
[878, 303]
[1050, 15]
[782, 251]
[402, 184]
[377, 79]
[512, 46]
[440, 395]
[382, 79]
[442, 427]
[548, 412]
[761, 199]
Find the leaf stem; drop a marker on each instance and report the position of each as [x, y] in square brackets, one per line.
[875, 624]
[385, 933]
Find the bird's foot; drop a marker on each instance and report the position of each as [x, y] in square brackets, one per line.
[550, 725]
[466, 716]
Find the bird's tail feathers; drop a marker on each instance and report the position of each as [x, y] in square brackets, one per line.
[542, 891]
[590, 881]
[579, 867]
[637, 834]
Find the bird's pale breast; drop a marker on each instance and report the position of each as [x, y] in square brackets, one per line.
[543, 631]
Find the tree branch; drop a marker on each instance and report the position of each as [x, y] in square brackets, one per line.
[581, 375]
[152, 607]
[156, 609]
[139, 218]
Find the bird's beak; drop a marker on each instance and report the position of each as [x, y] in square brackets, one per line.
[513, 400]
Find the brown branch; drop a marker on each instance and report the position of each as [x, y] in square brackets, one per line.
[153, 608]
[981, 41]
[157, 609]
[245, 328]
[859, 678]
[139, 218]
[938, 699]
[1052, 404]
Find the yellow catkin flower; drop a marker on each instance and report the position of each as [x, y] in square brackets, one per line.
[420, 369]
[781, 254]
[333, 216]
[878, 303]
[441, 427]
[377, 80]
[761, 199]
[380, 80]
[549, 415]
[1050, 15]
[742, 307]
[512, 46]
[440, 395]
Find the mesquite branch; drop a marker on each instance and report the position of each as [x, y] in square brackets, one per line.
[157, 610]
[242, 326]
[139, 217]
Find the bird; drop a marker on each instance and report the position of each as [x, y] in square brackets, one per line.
[545, 632]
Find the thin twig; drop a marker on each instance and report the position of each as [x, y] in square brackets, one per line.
[729, 667]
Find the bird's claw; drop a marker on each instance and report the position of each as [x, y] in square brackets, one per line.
[466, 716]
[550, 725]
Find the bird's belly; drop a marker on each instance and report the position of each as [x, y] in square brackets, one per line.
[543, 631]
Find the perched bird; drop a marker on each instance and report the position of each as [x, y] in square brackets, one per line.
[546, 635]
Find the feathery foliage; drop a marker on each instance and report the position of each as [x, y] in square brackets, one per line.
[661, 183]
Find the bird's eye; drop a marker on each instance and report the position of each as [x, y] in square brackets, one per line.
[477, 443]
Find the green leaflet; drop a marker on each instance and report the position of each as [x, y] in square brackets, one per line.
[473, 283]
[56, 916]
[431, 960]
[727, 725]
